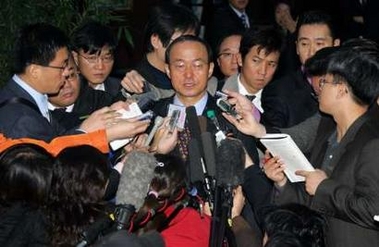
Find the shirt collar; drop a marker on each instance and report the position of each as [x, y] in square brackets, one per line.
[53, 107]
[239, 13]
[100, 87]
[258, 96]
[39, 98]
[199, 106]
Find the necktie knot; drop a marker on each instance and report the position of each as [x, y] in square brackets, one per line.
[250, 97]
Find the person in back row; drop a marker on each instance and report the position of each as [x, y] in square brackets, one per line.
[227, 53]
[166, 23]
[290, 100]
[258, 61]
[93, 47]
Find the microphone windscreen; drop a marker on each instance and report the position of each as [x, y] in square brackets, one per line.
[230, 160]
[209, 145]
[194, 168]
[135, 178]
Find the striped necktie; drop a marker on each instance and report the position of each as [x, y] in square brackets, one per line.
[244, 20]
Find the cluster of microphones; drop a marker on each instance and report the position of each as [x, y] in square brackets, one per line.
[215, 169]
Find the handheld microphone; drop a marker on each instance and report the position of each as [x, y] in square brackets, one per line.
[196, 153]
[135, 180]
[90, 235]
[229, 174]
[220, 135]
[230, 161]
[157, 123]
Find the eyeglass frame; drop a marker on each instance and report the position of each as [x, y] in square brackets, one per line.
[101, 58]
[62, 68]
[232, 55]
[72, 76]
[322, 81]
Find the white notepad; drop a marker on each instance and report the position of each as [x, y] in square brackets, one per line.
[283, 146]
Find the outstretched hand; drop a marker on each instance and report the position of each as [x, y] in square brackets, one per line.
[247, 124]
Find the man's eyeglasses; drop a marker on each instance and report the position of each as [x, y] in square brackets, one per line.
[72, 76]
[227, 55]
[94, 59]
[323, 81]
[61, 68]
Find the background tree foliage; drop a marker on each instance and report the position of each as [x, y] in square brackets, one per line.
[65, 14]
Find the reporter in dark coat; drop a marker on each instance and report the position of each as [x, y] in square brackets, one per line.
[345, 185]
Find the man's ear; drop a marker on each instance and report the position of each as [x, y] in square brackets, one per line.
[342, 90]
[75, 56]
[167, 70]
[336, 42]
[33, 70]
[210, 70]
[155, 41]
[239, 59]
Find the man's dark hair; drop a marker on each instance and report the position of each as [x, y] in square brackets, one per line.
[318, 63]
[284, 239]
[92, 36]
[306, 225]
[357, 64]
[165, 19]
[317, 17]
[190, 38]
[270, 40]
[225, 36]
[37, 44]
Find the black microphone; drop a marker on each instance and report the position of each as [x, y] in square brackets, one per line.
[193, 125]
[196, 153]
[230, 158]
[230, 161]
[209, 145]
[134, 184]
[91, 234]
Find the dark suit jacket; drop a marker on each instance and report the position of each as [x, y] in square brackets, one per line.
[90, 100]
[349, 198]
[288, 101]
[112, 86]
[19, 120]
[225, 21]
[161, 108]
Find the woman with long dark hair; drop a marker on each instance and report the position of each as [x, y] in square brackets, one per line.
[25, 174]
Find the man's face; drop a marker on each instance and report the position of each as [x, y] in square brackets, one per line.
[329, 93]
[257, 69]
[312, 38]
[239, 4]
[95, 67]
[227, 58]
[51, 79]
[189, 70]
[69, 93]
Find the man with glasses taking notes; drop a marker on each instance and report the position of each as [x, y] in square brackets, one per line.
[41, 68]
